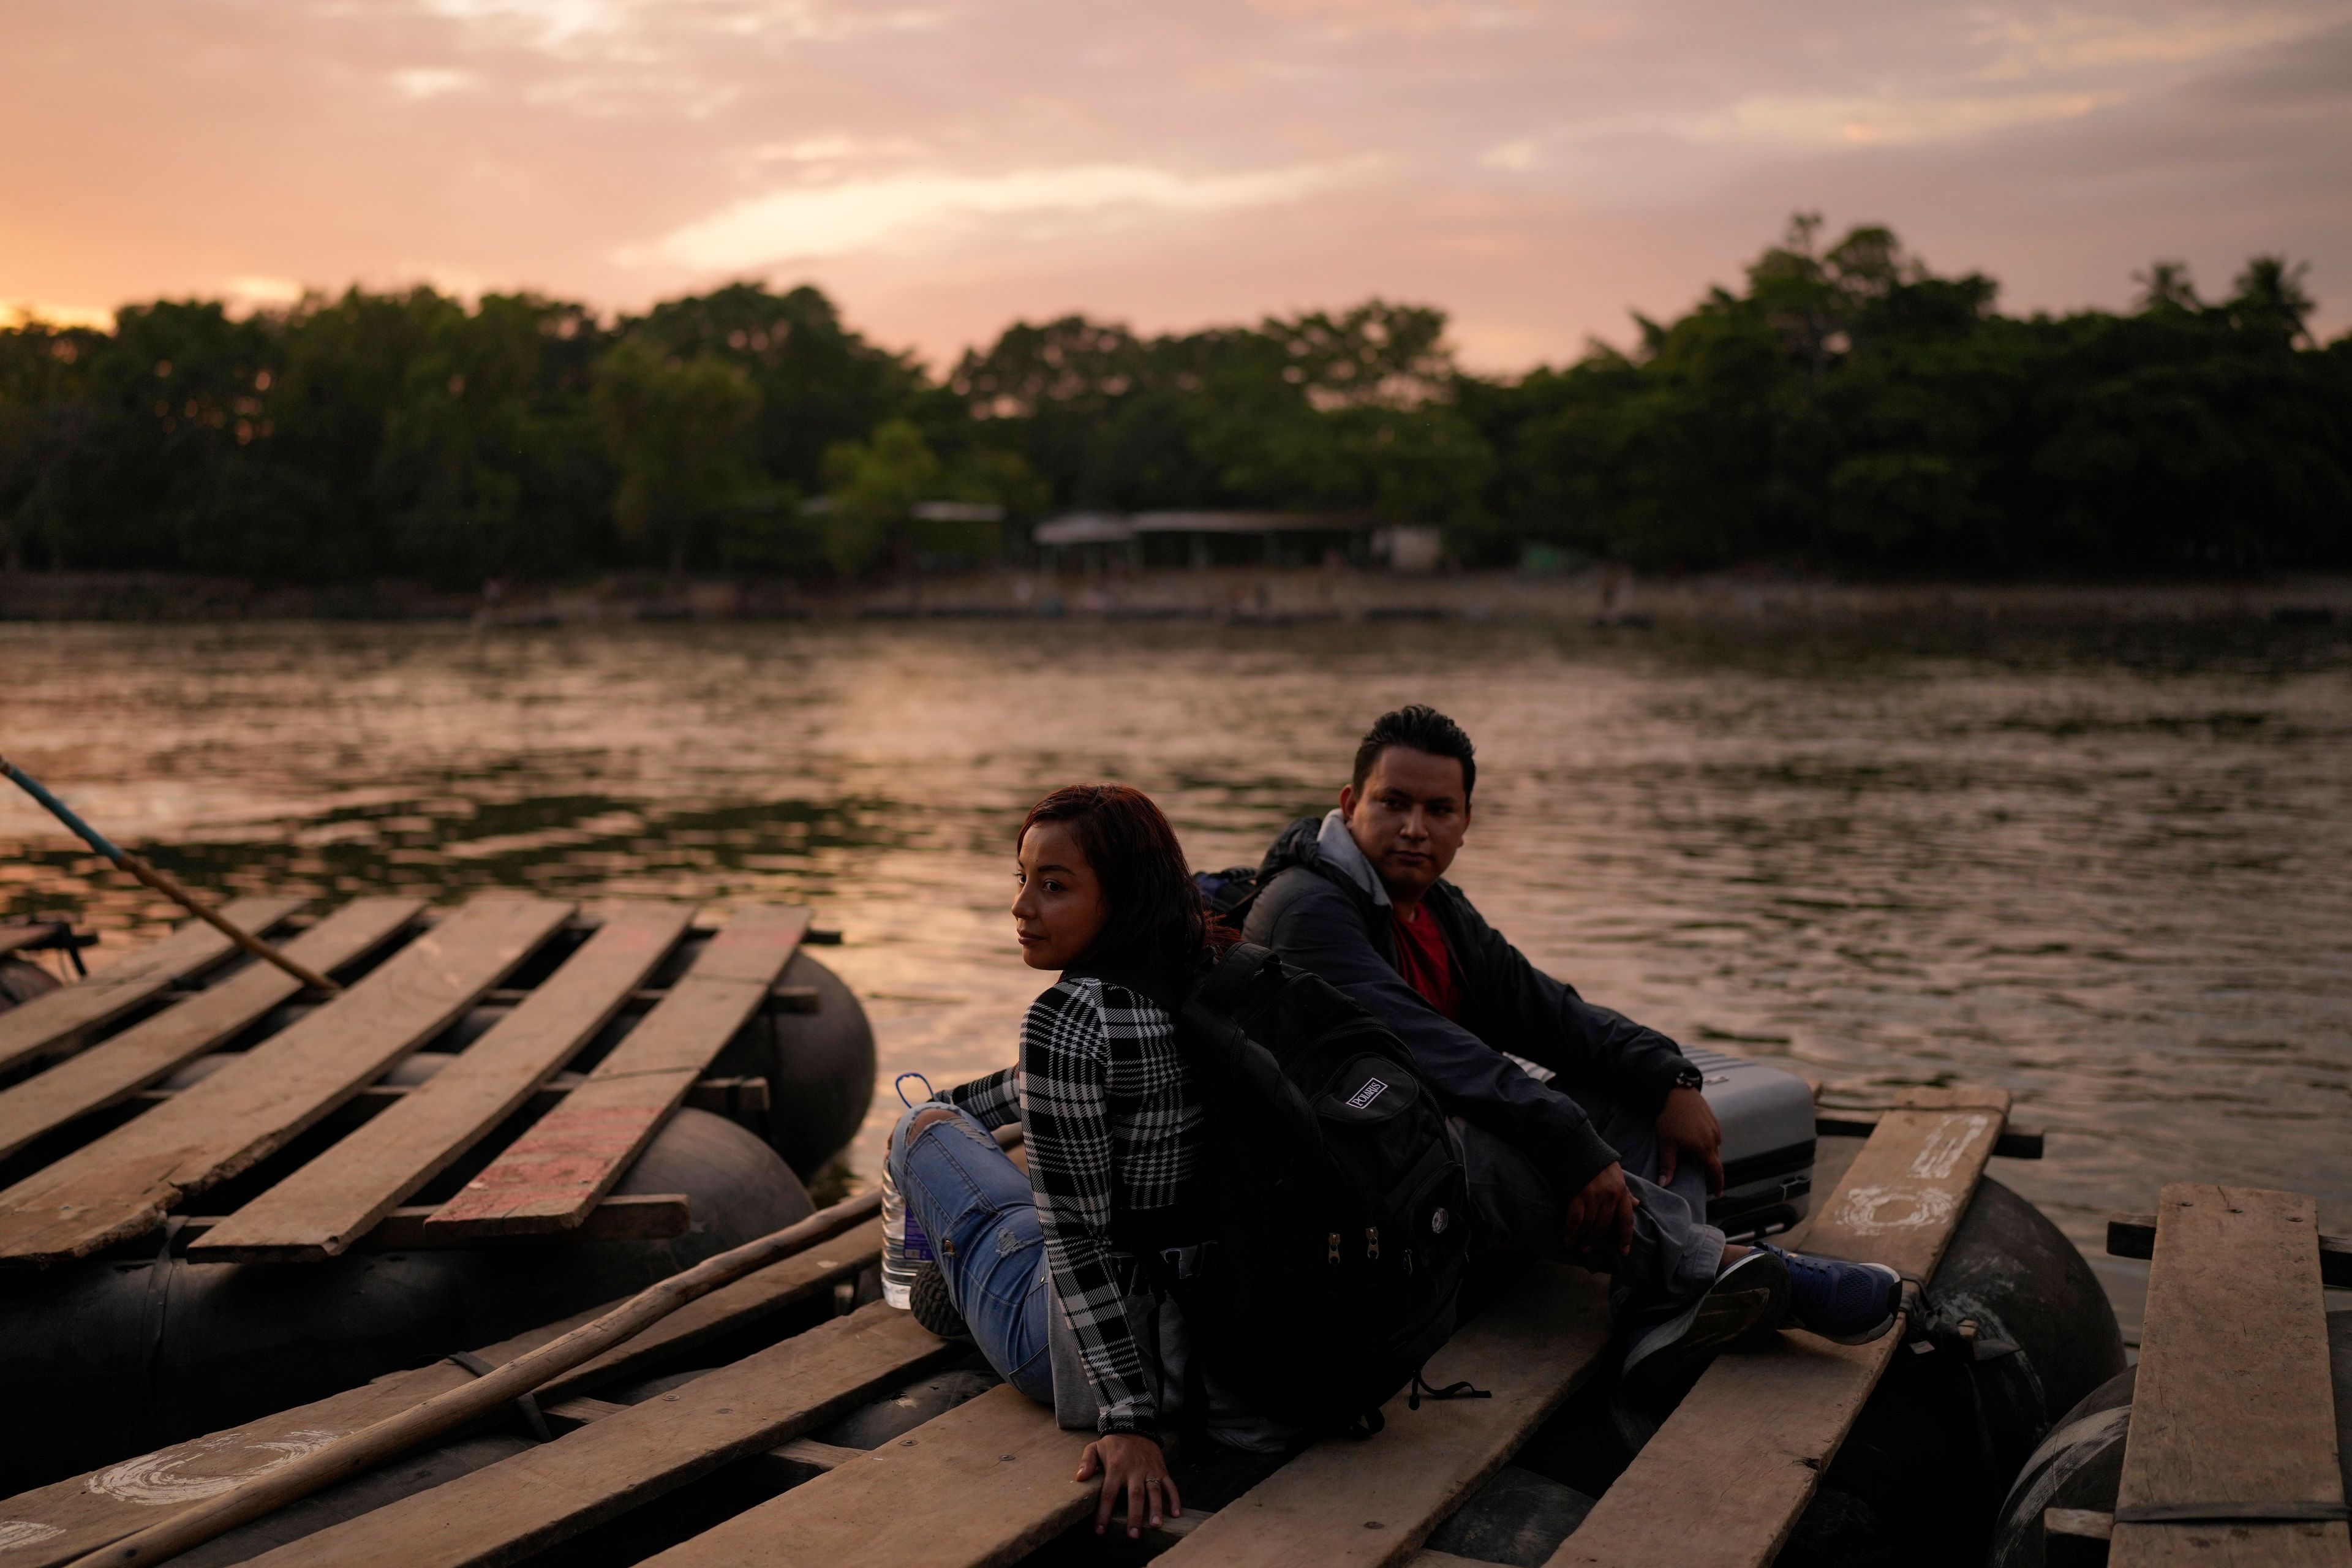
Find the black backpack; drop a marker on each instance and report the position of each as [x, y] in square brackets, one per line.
[1226, 896]
[1337, 1197]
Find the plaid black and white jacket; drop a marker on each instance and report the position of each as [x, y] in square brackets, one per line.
[1112, 1121]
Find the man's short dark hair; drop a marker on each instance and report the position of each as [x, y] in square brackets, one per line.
[1418, 728]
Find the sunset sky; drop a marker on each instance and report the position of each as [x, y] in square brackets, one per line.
[941, 167]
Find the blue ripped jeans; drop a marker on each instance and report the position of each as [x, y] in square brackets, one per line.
[975, 1205]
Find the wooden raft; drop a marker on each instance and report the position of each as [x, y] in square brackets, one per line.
[2230, 1458]
[993, 1479]
[96, 1154]
[996, 1477]
[1722, 1482]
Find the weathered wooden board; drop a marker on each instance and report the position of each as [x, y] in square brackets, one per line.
[976, 1488]
[1369, 1504]
[1723, 1481]
[117, 1068]
[57, 934]
[121, 1186]
[548, 1179]
[2235, 1407]
[61, 1521]
[776, 1288]
[62, 1020]
[2134, 1235]
[635, 1217]
[537, 1499]
[322, 1208]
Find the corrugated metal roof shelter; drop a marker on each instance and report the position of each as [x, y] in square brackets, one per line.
[1207, 538]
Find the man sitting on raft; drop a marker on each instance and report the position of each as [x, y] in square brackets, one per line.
[1608, 1165]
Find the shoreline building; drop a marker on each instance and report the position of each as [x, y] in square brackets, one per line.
[1098, 541]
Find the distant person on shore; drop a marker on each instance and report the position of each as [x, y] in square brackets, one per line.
[1610, 1164]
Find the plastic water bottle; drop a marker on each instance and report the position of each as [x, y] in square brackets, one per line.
[905, 1247]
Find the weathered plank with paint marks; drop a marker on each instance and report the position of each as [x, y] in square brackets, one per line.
[544, 1496]
[1368, 1504]
[117, 1068]
[121, 1186]
[2234, 1411]
[322, 1208]
[977, 1488]
[1722, 1483]
[65, 1520]
[548, 1179]
[62, 1021]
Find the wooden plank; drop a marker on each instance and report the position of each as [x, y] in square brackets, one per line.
[548, 1179]
[780, 998]
[2234, 1412]
[724, 1096]
[633, 1217]
[120, 1185]
[801, 1457]
[978, 1487]
[57, 935]
[778, 1288]
[538, 1499]
[117, 1068]
[2016, 1142]
[319, 1210]
[1722, 1483]
[61, 1021]
[2134, 1235]
[1369, 1504]
[67, 1519]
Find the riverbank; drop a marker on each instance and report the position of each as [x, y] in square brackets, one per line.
[1603, 595]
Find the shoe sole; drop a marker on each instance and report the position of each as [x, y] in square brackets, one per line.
[1732, 1311]
[932, 1307]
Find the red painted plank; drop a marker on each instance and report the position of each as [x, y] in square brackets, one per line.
[552, 1176]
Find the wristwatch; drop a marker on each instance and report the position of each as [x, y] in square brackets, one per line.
[1689, 1077]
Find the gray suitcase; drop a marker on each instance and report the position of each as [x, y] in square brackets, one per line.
[1767, 1114]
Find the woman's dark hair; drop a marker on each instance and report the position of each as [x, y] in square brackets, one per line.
[1419, 727]
[1155, 924]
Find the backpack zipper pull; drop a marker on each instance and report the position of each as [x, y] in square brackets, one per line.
[1335, 1247]
[1371, 1241]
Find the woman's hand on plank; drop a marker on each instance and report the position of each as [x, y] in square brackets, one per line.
[1133, 1465]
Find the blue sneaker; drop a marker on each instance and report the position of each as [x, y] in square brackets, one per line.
[1849, 1303]
[1747, 1299]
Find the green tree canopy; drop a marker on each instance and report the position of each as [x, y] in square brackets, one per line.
[679, 432]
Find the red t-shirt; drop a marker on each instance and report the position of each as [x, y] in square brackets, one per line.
[1426, 964]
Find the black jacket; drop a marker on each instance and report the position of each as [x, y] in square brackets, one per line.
[1316, 916]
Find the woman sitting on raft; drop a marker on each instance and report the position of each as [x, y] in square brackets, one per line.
[1111, 1120]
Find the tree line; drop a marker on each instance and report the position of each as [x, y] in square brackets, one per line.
[1846, 408]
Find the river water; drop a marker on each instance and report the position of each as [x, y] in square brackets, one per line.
[2106, 869]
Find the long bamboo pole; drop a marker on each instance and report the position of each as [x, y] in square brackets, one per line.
[164, 882]
[397, 1434]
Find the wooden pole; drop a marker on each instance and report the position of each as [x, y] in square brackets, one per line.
[421, 1423]
[164, 882]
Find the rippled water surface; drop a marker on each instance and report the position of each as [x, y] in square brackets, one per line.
[2108, 871]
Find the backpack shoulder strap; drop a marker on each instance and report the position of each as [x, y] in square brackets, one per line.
[1221, 988]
